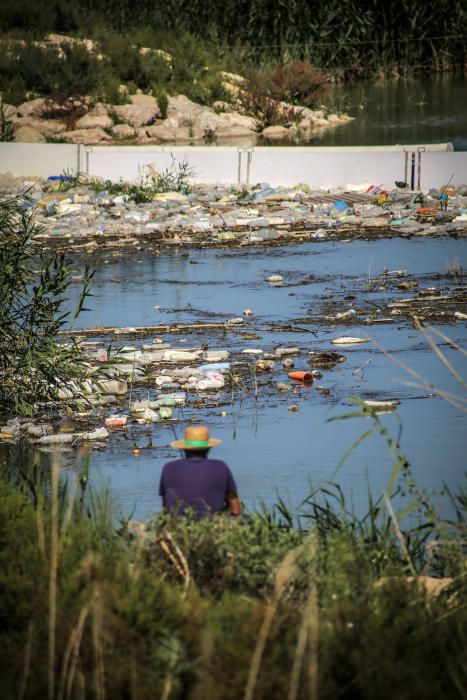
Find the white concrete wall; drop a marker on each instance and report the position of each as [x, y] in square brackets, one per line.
[316, 166]
[127, 163]
[288, 166]
[38, 159]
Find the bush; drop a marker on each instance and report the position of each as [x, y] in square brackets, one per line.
[297, 82]
[302, 605]
[33, 365]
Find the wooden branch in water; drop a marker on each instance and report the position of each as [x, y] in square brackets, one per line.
[172, 328]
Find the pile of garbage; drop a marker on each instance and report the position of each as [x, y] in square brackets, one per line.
[80, 216]
[145, 386]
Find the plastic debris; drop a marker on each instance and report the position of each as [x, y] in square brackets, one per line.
[349, 340]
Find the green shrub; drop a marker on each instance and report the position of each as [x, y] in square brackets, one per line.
[160, 93]
[33, 365]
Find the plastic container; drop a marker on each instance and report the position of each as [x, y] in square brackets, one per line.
[301, 376]
[210, 384]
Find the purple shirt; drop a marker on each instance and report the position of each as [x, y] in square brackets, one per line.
[198, 483]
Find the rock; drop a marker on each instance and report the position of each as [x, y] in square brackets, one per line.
[94, 121]
[181, 111]
[167, 134]
[138, 115]
[123, 131]
[26, 134]
[45, 126]
[143, 100]
[275, 132]
[241, 120]
[9, 111]
[234, 132]
[100, 109]
[34, 108]
[321, 123]
[86, 136]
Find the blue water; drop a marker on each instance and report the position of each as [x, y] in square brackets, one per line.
[271, 450]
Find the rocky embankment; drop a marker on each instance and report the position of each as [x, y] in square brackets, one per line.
[140, 121]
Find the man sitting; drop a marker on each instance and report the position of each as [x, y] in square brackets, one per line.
[197, 483]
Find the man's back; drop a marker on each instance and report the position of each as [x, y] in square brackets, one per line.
[198, 483]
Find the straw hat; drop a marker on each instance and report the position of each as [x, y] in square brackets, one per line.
[196, 438]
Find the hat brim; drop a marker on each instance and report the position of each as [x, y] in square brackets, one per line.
[181, 445]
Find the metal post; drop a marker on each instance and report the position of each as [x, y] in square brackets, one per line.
[88, 154]
[412, 172]
[240, 151]
[249, 158]
[406, 163]
[420, 150]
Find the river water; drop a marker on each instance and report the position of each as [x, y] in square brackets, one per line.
[419, 110]
[272, 451]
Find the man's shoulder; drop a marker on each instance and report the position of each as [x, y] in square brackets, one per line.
[219, 463]
[173, 463]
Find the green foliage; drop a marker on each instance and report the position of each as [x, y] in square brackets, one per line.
[6, 127]
[33, 365]
[162, 100]
[179, 611]
[174, 178]
[223, 553]
[48, 72]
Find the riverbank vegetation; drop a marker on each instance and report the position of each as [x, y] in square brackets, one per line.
[182, 47]
[35, 367]
[331, 606]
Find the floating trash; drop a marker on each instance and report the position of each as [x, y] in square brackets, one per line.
[349, 340]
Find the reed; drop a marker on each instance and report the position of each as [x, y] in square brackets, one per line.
[277, 604]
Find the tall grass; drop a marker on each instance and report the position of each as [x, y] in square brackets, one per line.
[220, 608]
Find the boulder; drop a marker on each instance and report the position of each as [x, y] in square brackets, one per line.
[34, 108]
[86, 136]
[143, 100]
[275, 132]
[45, 126]
[320, 123]
[100, 109]
[94, 121]
[171, 134]
[241, 120]
[137, 115]
[123, 131]
[26, 134]
[9, 111]
[234, 132]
